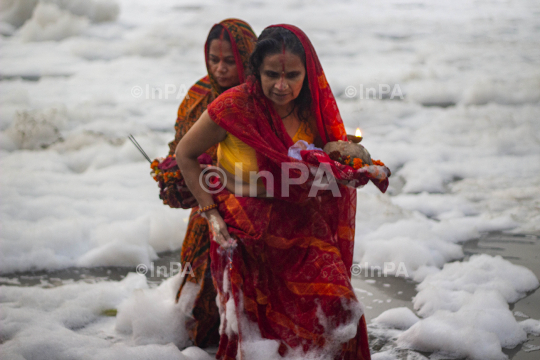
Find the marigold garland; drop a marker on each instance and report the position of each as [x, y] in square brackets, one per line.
[163, 175]
[156, 172]
[356, 163]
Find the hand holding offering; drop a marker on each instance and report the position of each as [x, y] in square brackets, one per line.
[348, 153]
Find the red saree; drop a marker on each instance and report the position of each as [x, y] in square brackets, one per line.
[204, 324]
[286, 288]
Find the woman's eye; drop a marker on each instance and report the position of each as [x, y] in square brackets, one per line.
[292, 75]
[230, 62]
[272, 74]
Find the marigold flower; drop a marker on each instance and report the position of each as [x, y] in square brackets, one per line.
[357, 163]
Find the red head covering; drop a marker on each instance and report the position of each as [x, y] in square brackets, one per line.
[324, 107]
[243, 41]
[202, 93]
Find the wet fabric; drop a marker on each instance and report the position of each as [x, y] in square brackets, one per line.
[204, 323]
[287, 283]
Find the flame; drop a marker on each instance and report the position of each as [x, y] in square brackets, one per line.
[358, 133]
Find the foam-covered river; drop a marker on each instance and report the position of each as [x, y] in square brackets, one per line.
[446, 93]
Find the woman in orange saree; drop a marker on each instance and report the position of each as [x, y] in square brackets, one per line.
[227, 51]
[283, 283]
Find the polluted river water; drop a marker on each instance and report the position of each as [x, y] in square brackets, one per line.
[377, 292]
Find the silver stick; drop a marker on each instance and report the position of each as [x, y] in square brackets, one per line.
[132, 138]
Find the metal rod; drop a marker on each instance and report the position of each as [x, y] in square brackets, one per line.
[132, 138]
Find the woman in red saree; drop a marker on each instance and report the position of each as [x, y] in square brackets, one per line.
[227, 51]
[283, 283]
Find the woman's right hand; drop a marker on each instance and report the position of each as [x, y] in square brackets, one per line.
[218, 227]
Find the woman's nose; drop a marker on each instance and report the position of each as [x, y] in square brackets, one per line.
[222, 67]
[281, 84]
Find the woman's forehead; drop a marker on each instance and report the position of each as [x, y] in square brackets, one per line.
[218, 47]
[281, 61]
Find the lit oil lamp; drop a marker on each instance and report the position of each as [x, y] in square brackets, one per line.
[357, 136]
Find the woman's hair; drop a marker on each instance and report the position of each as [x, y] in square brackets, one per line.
[218, 32]
[272, 41]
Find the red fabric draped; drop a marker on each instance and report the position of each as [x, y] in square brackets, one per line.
[289, 277]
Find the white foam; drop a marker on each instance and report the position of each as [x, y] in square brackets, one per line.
[69, 322]
[17, 12]
[465, 309]
[452, 287]
[49, 22]
[398, 318]
[531, 326]
[87, 198]
[151, 316]
[37, 129]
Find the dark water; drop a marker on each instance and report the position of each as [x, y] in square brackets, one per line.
[377, 293]
[51, 278]
[520, 250]
[383, 293]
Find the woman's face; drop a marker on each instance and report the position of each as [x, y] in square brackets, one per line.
[221, 63]
[282, 77]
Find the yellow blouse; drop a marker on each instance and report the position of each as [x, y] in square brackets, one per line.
[233, 151]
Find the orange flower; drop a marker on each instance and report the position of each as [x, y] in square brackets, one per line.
[357, 163]
[378, 162]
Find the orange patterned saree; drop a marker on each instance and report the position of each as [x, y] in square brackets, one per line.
[285, 290]
[203, 326]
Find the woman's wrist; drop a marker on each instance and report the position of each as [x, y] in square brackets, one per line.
[207, 208]
[210, 214]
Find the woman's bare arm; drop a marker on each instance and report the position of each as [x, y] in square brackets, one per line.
[204, 134]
